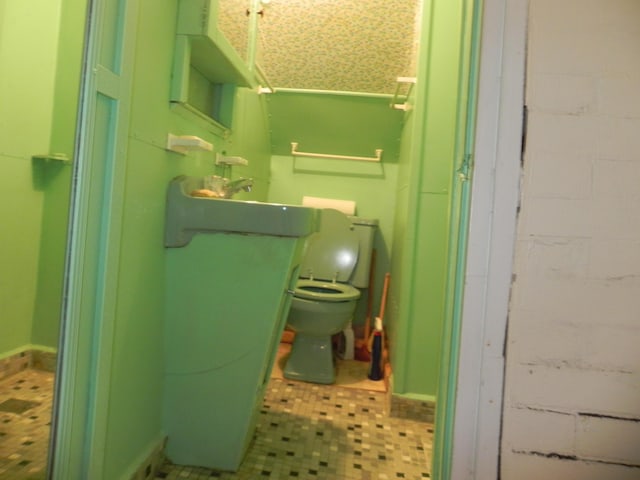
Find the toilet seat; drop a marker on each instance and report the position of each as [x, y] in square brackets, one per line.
[323, 291]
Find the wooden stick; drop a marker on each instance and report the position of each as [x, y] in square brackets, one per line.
[385, 290]
[372, 273]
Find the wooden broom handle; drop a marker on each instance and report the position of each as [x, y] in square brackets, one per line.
[372, 270]
[385, 289]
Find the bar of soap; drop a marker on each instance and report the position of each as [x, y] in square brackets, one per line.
[203, 192]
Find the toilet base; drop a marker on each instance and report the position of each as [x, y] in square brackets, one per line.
[311, 359]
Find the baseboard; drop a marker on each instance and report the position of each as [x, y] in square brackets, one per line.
[410, 407]
[28, 356]
[149, 463]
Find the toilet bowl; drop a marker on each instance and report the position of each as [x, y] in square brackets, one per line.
[325, 295]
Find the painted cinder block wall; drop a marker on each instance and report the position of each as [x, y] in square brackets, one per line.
[572, 390]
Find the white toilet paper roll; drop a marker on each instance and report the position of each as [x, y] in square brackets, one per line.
[348, 207]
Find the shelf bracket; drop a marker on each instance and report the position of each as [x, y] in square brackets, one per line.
[395, 103]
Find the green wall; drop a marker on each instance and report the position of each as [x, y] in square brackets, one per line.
[137, 358]
[428, 158]
[55, 177]
[374, 197]
[28, 59]
[410, 192]
[342, 124]
[410, 196]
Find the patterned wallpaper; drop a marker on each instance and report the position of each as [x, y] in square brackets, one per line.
[342, 45]
[233, 22]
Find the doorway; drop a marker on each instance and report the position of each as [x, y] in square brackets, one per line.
[90, 346]
[40, 60]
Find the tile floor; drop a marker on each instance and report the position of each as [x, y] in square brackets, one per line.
[25, 416]
[305, 431]
[327, 432]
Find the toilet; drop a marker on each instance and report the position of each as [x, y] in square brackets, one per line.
[335, 264]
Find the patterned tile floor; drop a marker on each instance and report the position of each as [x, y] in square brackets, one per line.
[327, 432]
[25, 415]
[305, 431]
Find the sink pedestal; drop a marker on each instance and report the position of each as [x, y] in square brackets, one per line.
[227, 302]
[226, 309]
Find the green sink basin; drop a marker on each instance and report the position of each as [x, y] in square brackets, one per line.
[187, 215]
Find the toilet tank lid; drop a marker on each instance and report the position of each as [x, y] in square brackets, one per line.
[369, 222]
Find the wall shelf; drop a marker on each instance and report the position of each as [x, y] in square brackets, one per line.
[185, 143]
[229, 160]
[53, 157]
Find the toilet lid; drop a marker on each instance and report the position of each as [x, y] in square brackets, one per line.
[332, 252]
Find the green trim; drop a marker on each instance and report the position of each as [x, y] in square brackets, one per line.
[180, 70]
[27, 348]
[80, 424]
[460, 207]
[252, 40]
[416, 396]
[146, 455]
[16, 351]
[42, 348]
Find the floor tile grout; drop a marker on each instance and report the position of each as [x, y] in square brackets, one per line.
[305, 431]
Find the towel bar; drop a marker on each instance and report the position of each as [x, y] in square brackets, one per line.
[296, 153]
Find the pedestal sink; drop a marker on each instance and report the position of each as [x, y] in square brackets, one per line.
[187, 215]
[226, 305]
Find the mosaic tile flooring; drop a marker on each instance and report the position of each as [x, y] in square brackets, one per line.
[25, 415]
[349, 374]
[305, 431]
[327, 432]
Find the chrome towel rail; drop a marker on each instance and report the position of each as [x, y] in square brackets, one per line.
[296, 153]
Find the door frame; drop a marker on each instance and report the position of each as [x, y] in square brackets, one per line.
[476, 404]
[476, 410]
[82, 389]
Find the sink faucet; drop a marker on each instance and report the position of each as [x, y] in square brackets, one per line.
[231, 188]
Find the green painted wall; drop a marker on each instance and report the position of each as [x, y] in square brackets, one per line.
[137, 362]
[55, 177]
[410, 196]
[28, 59]
[374, 197]
[342, 124]
[402, 229]
[335, 123]
[421, 232]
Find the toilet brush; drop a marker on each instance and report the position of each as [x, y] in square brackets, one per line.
[376, 369]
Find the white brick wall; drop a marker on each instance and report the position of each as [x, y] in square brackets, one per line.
[572, 385]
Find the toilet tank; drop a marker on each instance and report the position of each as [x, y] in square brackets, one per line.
[366, 230]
